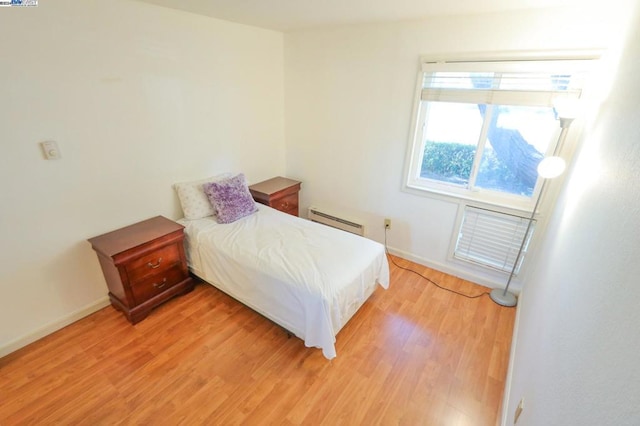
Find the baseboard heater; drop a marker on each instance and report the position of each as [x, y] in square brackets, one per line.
[326, 218]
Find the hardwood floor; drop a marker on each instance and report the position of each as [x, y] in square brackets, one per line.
[413, 355]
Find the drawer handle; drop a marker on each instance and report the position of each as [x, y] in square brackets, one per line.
[154, 266]
[285, 205]
[160, 285]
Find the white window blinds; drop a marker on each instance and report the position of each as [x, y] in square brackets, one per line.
[504, 82]
[492, 239]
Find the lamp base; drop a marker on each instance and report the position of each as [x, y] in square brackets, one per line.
[503, 298]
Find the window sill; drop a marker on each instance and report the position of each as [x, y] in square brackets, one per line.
[478, 199]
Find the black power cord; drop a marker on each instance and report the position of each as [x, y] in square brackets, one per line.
[427, 278]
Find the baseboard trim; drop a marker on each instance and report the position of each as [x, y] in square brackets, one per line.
[446, 269]
[54, 326]
[512, 353]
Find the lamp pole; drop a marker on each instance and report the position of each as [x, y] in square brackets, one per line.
[505, 297]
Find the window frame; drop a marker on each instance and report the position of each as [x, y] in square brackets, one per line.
[414, 184]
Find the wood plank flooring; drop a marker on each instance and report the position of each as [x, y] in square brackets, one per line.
[413, 355]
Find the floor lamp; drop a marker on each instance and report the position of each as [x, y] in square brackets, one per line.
[549, 168]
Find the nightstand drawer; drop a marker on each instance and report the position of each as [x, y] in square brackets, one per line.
[286, 203]
[153, 263]
[147, 288]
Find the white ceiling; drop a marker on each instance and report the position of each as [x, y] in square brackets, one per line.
[287, 15]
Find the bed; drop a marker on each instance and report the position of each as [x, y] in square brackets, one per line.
[306, 277]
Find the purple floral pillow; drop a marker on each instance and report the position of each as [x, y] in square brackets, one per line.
[231, 198]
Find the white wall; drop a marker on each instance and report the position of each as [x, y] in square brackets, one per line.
[349, 98]
[578, 342]
[137, 97]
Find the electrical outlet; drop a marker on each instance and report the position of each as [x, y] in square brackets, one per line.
[387, 224]
[519, 409]
[50, 150]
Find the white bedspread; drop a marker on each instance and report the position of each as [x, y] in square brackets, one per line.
[307, 277]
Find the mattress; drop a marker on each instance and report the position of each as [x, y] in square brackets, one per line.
[307, 277]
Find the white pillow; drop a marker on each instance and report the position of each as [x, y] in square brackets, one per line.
[193, 200]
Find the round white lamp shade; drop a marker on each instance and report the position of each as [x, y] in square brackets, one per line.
[551, 167]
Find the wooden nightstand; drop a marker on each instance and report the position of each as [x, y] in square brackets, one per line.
[144, 265]
[279, 193]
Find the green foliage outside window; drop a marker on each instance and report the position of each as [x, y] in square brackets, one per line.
[446, 161]
[452, 162]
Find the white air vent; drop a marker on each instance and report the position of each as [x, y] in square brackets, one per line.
[326, 218]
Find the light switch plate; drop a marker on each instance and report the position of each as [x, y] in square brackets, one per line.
[50, 150]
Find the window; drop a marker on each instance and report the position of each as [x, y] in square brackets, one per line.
[483, 127]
